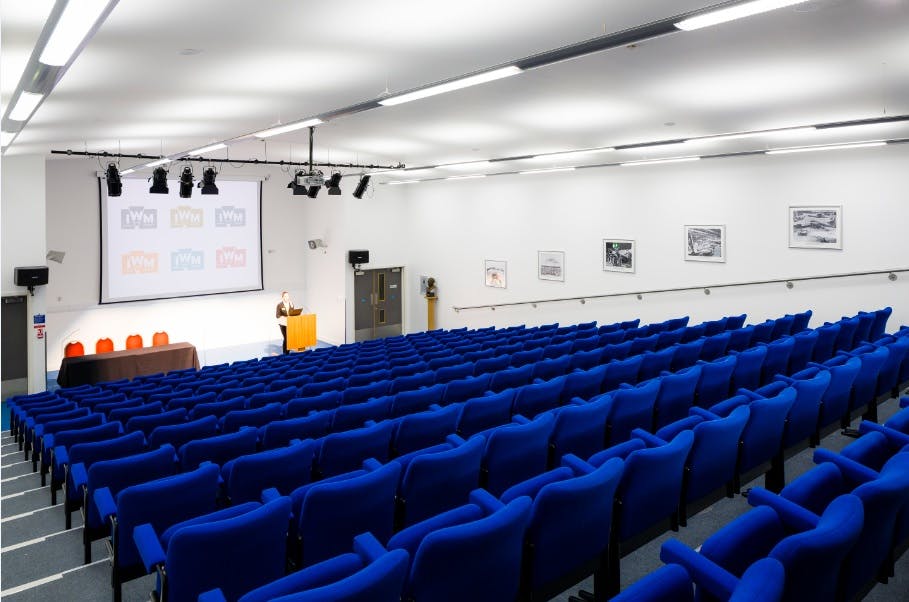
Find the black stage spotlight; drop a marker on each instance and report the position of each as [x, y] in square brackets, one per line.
[208, 181]
[297, 184]
[186, 182]
[361, 187]
[159, 181]
[334, 184]
[114, 185]
[313, 191]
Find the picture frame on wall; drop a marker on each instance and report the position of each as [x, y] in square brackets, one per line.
[816, 227]
[496, 273]
[551, 265]
[705, 243]
[618, 255]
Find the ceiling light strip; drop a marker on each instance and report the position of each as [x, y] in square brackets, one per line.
[283, 129]
[25, 106]
[207, 149]
[732, 13]
[825, 147]
[72, 28]
[659, 161]
[452, 85]
[470, 177]
[552, 170]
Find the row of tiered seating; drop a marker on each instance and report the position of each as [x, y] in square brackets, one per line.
[411, 473]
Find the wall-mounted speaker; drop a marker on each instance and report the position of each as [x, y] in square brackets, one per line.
[30, 275]
[356, 257]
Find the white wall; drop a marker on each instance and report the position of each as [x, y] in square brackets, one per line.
[454, 225]
[73, 224]
[23, 244]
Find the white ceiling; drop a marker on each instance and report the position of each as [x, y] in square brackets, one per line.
[281, 60]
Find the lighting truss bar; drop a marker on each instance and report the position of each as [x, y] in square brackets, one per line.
[105, 154]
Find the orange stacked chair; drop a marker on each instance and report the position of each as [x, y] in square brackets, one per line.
[160, 338]
[134, 341]
[104, 345]
[73, 349]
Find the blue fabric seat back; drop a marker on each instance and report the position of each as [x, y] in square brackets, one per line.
[280, 396]
[864, 387]
[343, 452]
[409, 366]
[452, 369]
[279, 433]
[284, 468]
[454, 563]
[289, 381]
[615, 352]
[358, 394]
[189, 401]
[740, 339]
[802, 350]
[631, 408]
[409, 402]
[244, 391]
[69, 439]
[613, 337]
[353, 416]
[585, 360]
[330, 514]
[119, 473]
[715, 346]
[693, 333]
[329, 375]
[888, 379]
[88, 453]
[488, 411]
[687, 354]
[423, 429]
[465, 388]
[763, 332]
[642, 344]
[516, 452]
[436, 482]
[712, 327]
[839, 392]
[201, 557]
[531, 400]
[800, 321]
[716, 380]
[511, 378]
[782, 327]
[123, 415]
[529, 356]
[257, 417]
[714, 454]
[318, 387]
[413, 381]
[804, 414]
[777, 360]
[824, 347]
[583, 384]
[578, 344]
[845, 339]
[655, 362]
[668, 338]
[748, 367]
[217, 408]
[491, 364]
[163, 502]
[676, 396]
[218, 449]
[879, 326]
[301, 406]
[178, 434]
[763, 433]
[863, 331]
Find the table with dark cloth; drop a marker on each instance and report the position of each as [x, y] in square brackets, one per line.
[103, 367]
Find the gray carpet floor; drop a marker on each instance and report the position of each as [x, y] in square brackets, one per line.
[42, 562]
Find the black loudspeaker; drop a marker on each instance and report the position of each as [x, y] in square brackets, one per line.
[30, 276]
[358, 257]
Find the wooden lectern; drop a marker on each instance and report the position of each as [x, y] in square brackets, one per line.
[301, 331]
[430, 312]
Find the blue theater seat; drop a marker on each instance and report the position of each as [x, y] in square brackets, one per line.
[60, 444]
[218, 449]
[516, 452]
[260, 416]
[284, 469]
[302, 406]
[280, 433]
[178, 434]
[676, 396]
[424, 429]
[485, 412]
[342, 452]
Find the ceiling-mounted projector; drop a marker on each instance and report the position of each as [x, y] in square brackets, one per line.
[313, 178]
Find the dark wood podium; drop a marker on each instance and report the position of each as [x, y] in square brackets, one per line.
[301, 331]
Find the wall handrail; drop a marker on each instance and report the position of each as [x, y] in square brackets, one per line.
[891, 275]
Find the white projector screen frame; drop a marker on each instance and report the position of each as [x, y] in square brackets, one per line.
[161, 246]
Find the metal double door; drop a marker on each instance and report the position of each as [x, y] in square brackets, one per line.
[378, 303]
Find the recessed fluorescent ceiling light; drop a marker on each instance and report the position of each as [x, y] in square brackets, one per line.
[158, 162]
[464, 82]
[126, 172]
[6, 138]
[469, 165]
[785, 132]
[404, 182]
[281, 129]
[77, 19]
[658, 161]
[571, 154]
[25, 106]
[805, 149]
[734, 12]
[207, 149]
[470, 177]
[654, 145]
[553, 170]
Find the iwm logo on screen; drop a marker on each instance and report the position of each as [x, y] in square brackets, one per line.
[230, 257]
[229, 216]
[138, 217]
[186, 217]
[139, 262]
[187, 259]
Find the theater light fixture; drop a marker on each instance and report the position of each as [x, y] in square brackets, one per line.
[114, 185]
[361, 187]
[825, 147]
[334, 184]
[159, 181]
[457, 84]
[208, 181]
[186, 182]
[732, 13]
[283, 129]
[297, 184]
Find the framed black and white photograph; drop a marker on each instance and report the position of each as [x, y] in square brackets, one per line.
[618, 255]
[496, 273]
[705, 243]
[551, 265]
[816, 227]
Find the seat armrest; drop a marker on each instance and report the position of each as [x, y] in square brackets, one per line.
[79, 475]
[706, 573]
[485, 500]
[149, 547]
[60, 455]
[212, 595]
[702, 413]
[435, 406]
[371, 464]
[791, 514]
[852, 470]
[783, 379]
[894, 437]
[104, 501]
[368, 547]
[578, 466]
[455, 440]
[270, 495]
[622, 450]
[649, 439]
[520, 419]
